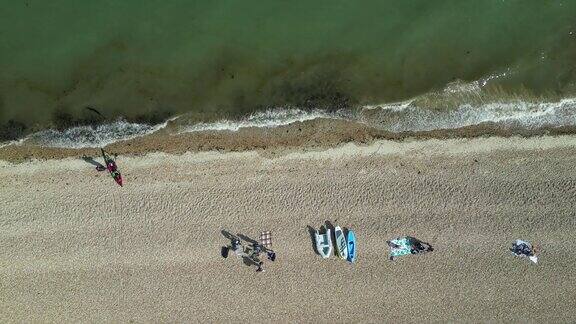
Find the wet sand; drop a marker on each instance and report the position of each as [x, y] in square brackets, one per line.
[75, 247]
[317, 134]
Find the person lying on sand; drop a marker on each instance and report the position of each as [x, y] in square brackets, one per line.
[419, 246]
[237, 248]
[407, 245]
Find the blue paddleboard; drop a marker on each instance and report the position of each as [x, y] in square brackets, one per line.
[351, 240]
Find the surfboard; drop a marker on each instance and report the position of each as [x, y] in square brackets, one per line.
[324, 243]
[351, 241]
[341, 244]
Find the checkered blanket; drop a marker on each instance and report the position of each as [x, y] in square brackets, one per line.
[266, 239]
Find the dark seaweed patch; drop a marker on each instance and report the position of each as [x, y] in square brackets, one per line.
[12, 130]
[63, 119]
[154, 117]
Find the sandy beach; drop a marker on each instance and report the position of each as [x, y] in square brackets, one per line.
[74, 247]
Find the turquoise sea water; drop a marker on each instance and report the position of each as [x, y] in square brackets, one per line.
[148, 60]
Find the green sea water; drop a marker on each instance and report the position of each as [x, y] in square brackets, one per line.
[147, 60]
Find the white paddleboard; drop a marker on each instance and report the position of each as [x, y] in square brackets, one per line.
[341, 243]
[324, 243]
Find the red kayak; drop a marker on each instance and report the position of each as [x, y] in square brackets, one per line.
[117, 177]
[112, 169]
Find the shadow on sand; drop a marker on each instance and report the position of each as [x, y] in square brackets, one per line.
[228, 235]
[247, 239]
[249, 261]
[95, 163]
[312, 231]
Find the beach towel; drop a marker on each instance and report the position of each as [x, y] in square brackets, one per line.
[266, 239]
[404, 247]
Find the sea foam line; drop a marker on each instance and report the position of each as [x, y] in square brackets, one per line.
[415, 115]
[408, 115]
[9, 143]
[91, 137]
[269, 118]
[530, 115]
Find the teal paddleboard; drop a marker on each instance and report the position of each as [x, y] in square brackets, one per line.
[351, 240]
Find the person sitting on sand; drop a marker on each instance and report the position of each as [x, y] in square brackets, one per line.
[237, 248]
[256, 250]
[271, 255]
[524, 249]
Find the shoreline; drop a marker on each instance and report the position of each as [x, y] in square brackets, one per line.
[317, 134]
[443, 147]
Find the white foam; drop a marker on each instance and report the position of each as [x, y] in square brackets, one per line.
[484, 81]
[459, 87]
[89, 136]
[269, 118]
[407, 116]
[16, 142]
[392, 106]
[403, 116]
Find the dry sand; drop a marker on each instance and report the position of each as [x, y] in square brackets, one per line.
[75, 247]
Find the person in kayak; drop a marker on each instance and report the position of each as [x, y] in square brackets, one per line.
[112, 166]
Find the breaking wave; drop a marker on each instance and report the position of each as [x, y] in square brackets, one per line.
[92, 136]
[404, 117]
[468, 104]
[458, 105]
[9, 143]
[269, 118]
